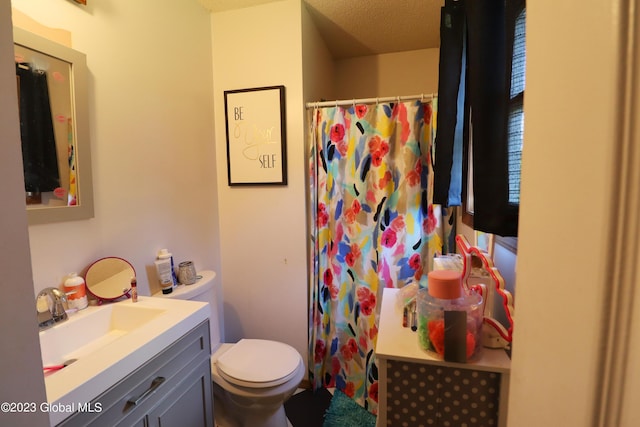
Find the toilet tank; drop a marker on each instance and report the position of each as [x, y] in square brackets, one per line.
[206, 290]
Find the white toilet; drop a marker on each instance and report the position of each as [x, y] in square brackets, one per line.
[252, 378]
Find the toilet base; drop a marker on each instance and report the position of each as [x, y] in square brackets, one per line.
[275, 417]
[239, 406]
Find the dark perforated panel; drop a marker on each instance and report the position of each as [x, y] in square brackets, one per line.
[420, 395]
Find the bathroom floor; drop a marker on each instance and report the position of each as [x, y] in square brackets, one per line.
[306, 408]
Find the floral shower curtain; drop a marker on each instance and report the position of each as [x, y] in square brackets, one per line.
[373, 225]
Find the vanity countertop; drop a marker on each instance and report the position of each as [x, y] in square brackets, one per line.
[116, 350]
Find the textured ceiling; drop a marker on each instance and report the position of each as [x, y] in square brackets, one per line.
[353, 28]
[366, 27]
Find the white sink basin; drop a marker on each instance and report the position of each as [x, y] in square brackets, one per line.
[109, 342]
[92, 330]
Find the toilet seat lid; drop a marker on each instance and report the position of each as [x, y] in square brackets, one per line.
[258, 363]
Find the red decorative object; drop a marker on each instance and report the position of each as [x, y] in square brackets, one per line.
[488, 291]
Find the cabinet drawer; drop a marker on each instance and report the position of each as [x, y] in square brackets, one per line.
[150, 383]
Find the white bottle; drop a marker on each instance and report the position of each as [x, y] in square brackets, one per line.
[165, 254]
[166, 271]
[76, 291]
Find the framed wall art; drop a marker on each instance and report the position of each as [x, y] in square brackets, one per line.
[256, 136]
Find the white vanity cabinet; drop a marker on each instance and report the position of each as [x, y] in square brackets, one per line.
[415, 389]
[174, 388]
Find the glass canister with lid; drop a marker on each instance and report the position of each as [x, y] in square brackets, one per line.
[449, 318]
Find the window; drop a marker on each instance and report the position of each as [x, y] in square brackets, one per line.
[515, 127]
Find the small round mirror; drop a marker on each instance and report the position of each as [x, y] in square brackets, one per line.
[109, 279]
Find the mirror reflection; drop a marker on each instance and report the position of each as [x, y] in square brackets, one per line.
[109, 279]
[46, 128]
[51, 91]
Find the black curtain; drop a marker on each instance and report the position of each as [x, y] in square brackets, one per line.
[39, 155]
[484, 24]
[451, 94]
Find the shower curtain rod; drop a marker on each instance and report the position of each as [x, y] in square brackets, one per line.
[423, 96]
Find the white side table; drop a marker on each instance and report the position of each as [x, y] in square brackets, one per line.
[415, 389]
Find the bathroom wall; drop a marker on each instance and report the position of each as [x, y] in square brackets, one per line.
[319, 75]
[20, 373]
[263, 228]
[411, 72]
[564, 245]
[152, 141]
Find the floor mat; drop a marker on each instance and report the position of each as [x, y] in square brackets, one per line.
[345, 412]
[307, 408]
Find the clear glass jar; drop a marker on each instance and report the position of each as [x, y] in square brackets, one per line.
[449, 328]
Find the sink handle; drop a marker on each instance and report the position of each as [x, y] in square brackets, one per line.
[157, 381]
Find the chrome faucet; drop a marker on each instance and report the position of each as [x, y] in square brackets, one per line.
[50, 307]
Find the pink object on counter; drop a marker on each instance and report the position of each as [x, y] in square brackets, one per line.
[58, 367]
[53, 367]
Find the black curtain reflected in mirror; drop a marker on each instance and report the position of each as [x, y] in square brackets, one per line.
[39, 155]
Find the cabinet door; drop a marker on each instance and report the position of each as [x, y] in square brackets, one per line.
[422, 395]
[190, 404]
[153, 382]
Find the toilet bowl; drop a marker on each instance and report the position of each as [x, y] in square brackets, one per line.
[251, 378]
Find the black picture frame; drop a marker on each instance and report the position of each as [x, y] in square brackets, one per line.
[255, 121]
